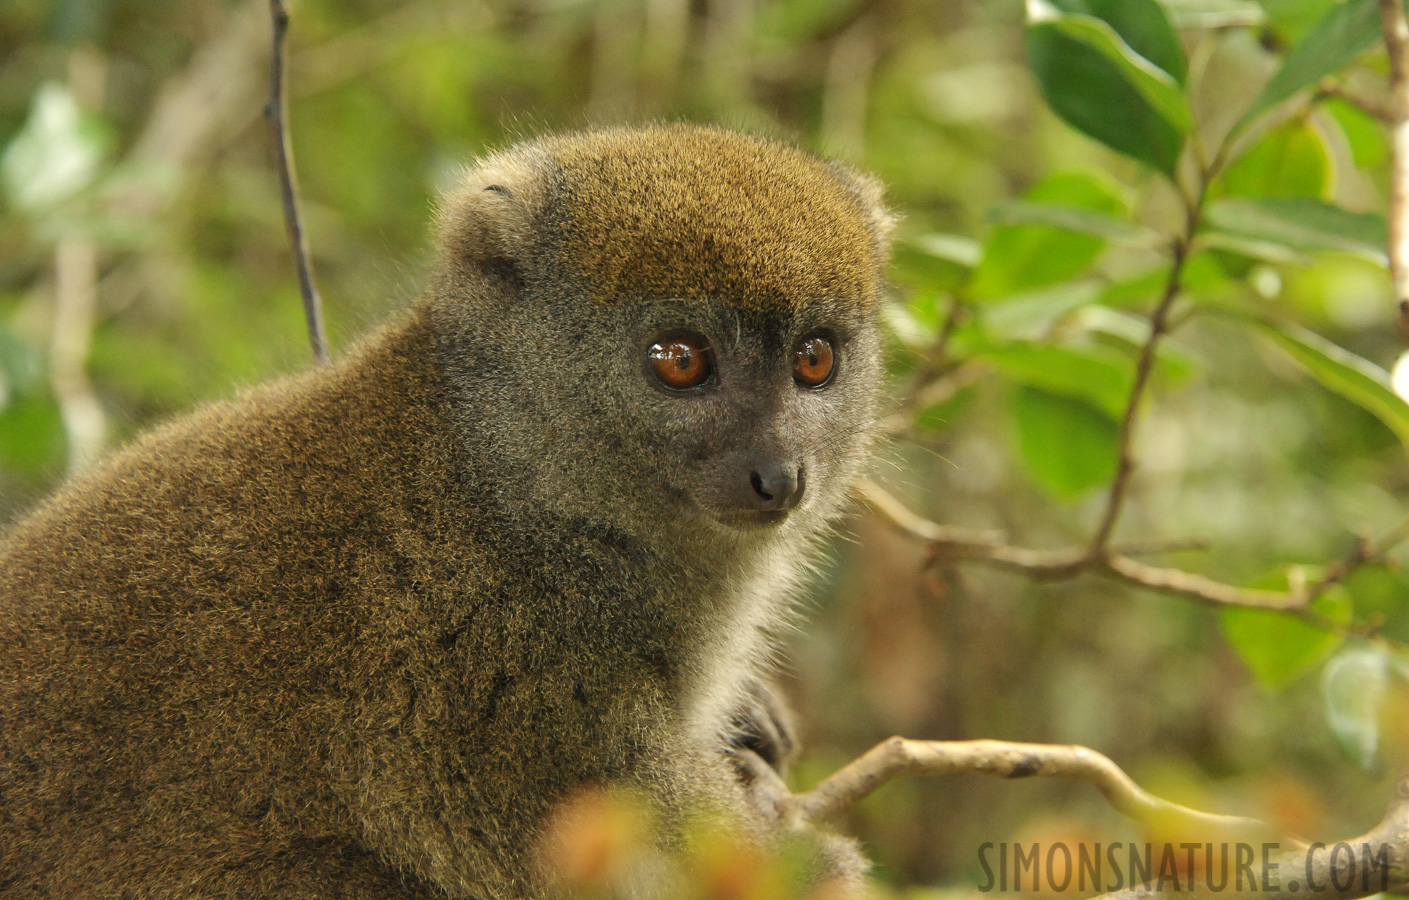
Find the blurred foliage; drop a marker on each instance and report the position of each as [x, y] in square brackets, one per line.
[1042, 155]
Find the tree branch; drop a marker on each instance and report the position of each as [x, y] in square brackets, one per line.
[1159, 325]
[276, 111]
[1370, 106]
[989, 548]
[1396, 37]
[899, 757]
[1347, 870]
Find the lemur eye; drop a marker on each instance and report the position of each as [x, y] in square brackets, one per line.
[681, 362]
[813, 361]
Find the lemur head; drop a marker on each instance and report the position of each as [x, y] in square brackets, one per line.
[682, 318]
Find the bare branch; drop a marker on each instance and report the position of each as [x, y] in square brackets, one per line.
[1190, 584]
[276, 111]
[1375, 862]
[891, 509]
[1396, 37]
[1370, 106]
[1059, 565]
[989, 548]
[899, 757]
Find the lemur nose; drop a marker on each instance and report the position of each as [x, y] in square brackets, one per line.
[776, 487]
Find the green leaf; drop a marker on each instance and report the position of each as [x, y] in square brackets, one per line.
[941, 415]
[1021, 212]
[935, 262]
[955, 248]
[1353, 377]
[1302, 224]
[1100, 376]
[1143, 24]
[1066, 445]
[1335, 42]
[1278, 647]
[1099, 66]
[1353, 688]
[1023, 257]
[908, 328]
[1214, 13]
[1252, 248]
[1292, 161]
[1031, 316]
[1367, 136]
[1174, 363]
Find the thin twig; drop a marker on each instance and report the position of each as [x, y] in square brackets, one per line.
[1396, 37]
[1370, 106]
[989, 548]
[276, 111]
[899, 757]
[1159, 325]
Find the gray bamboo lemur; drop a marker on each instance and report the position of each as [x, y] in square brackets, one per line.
[356, 632]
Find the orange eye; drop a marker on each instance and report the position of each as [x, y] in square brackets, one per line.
[813, 362]
[681, 362]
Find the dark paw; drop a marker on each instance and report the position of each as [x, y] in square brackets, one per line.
[763, 724]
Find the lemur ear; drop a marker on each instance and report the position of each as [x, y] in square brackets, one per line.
[869, 195]
[488, 219]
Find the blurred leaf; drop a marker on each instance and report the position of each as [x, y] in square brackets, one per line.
[1353, 690]
[1143, 27]
[1291, 161]
[55, 155]
[1335, 42]
[1066, 445]
[935, 262]
[1023, 257]
[1020, 212]
[1293, 20]
[1251, 248]
[1098, 375]
[1173, 362]
[1353, 377]
[1376, 589]
[1381, 595]
[909, 329]
[955, 248]
[1278, 647]
[1367, 135]
[944, 413]
[1032, 316]
[1213, 13]
[1112, 70]
[926, 310]
[1300, 223]
[1137, 289]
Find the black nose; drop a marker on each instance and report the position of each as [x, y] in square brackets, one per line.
[776, 487]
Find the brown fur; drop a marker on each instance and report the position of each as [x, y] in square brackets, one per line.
[327, 640]
[719, 236]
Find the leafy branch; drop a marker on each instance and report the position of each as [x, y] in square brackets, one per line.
[1146, 67]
